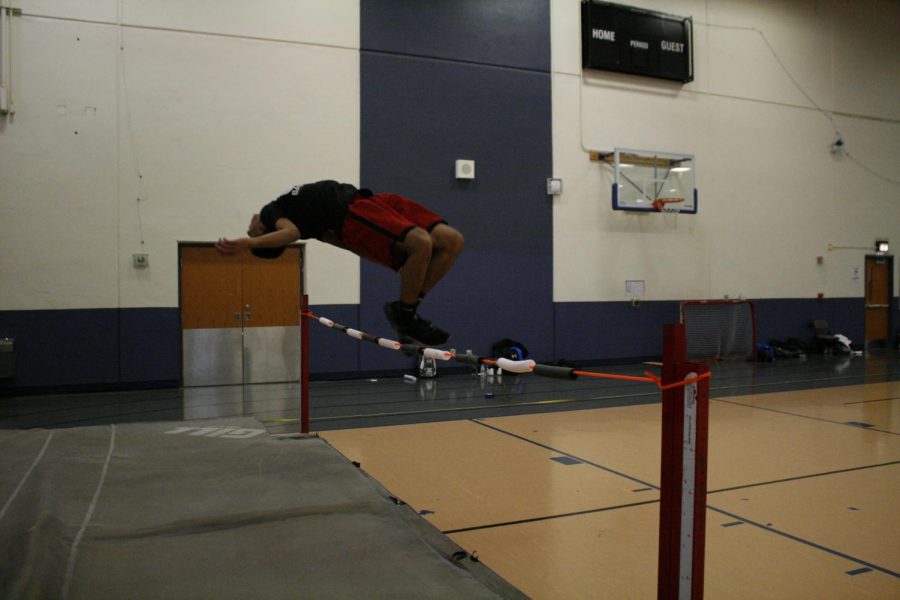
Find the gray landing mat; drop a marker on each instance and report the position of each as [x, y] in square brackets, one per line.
[211, 509]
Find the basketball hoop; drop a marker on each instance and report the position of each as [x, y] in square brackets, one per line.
[662, 205]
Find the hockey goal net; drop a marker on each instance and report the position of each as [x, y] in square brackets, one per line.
[719, 329]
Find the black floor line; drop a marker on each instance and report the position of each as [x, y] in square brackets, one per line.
[708, 506]
[800, 477]
[738, 519]
[549, 517]
[871, 401]
[795, 538]
[802, 416]
[563, 453]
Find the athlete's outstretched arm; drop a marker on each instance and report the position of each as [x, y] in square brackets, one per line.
[285, 233]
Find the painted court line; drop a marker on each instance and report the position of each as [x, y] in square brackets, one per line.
[556, 450]
[792, 414]
[871, 401]
[737, 518]
[588, 511]
[795, 538]
[799, 477]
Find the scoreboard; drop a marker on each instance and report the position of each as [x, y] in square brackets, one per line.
[637, 41]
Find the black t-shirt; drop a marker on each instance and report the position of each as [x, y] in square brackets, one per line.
[314, 208]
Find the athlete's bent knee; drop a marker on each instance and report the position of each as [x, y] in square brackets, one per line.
[447, 239]
[415, 241]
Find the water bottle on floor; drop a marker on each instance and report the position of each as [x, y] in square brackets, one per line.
[427, 367]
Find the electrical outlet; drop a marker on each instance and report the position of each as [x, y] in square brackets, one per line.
[141, 261]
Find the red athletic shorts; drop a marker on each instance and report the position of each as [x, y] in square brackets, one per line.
[374, 225]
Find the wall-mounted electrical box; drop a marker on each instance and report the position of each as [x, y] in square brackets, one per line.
[465, 169]
[554, 187]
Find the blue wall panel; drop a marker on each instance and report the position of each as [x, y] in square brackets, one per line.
[63, 347]
[332, 353]
[502, 284]
[418, 116]
[611, 331]
[515, 34]
[150, 344]
[783, 318]
[93, 348]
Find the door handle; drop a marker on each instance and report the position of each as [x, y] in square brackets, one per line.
[878, 305]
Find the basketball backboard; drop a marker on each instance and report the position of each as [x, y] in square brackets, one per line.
[652, 181]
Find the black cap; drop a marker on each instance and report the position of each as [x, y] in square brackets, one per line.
[267, 252]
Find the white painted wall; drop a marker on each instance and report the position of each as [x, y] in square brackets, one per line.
[772, 196]
[205, 110]
[219, 105]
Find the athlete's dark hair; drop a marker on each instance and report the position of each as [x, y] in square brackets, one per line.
[268, 252]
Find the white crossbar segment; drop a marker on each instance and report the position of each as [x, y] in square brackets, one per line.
[516, 366]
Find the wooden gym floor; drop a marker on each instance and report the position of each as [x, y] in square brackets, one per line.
[554, 483]
[804, 493]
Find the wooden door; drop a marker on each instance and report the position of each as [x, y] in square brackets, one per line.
[240, 317]
[271, 290]
[878, 295]
[210, 289]
[271, 295]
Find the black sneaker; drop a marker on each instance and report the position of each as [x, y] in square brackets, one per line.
[398, 313]
[410, 327]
